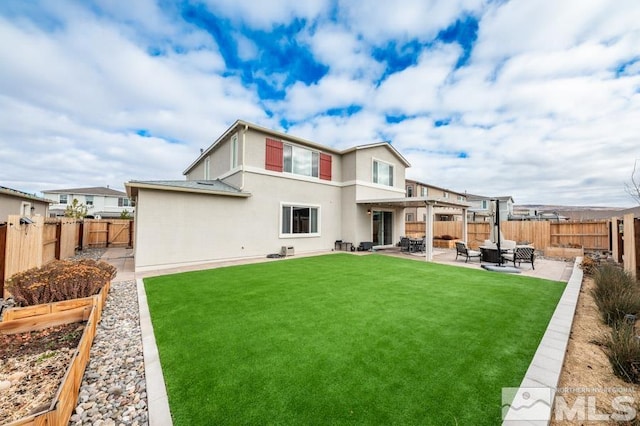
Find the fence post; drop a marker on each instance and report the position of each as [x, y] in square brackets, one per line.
[629, 258]
[3, 253]
[58, 242]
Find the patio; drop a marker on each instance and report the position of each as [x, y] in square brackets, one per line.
[550, 269]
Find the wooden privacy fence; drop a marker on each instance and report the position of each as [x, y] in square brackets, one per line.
[542, 234]
[29, 245]
[107, 233]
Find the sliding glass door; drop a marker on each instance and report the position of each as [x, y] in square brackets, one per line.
[382, 228]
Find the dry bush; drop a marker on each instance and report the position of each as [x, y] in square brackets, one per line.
[60, 280]
[616, 293]
[623, 350]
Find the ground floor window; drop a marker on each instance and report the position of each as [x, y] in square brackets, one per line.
[382, 228]
[299, 220]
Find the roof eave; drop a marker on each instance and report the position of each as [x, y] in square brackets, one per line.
[133, 187]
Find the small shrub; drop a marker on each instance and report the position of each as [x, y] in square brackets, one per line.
[60, 280]
[623, 350]
[616, 293]
[589, 265]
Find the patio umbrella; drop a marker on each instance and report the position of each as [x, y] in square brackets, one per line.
[495, 225]
[496, 234]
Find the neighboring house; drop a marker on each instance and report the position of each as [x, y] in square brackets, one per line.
[101, 202]
[256, 190]
[20, 203]
[481, 209]
[420, 189]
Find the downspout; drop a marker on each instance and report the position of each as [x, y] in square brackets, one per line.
[242, 168]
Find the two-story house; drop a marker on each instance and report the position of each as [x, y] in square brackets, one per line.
[482, 208]
[21, 203]
[100, 202]
[256, 190]
[415, 188]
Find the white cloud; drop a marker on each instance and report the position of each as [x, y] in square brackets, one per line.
[264, 15]
[403, 20]
[415, 89]
[305, 101]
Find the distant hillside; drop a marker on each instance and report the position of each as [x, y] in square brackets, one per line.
[577, 212]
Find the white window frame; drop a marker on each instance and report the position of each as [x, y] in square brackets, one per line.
[301, 205]
[409, 217]
[234, 151]
[315, 160]
[424, 191]
[207, 168]
[25, 209]
[89, 200]
[65, 197]
[445, 194]
[375, 178]
[485, 205]
[409, 191]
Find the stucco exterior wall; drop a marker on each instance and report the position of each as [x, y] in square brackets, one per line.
[256, 151]
[10, 205]
[219, 159]
[175, 228]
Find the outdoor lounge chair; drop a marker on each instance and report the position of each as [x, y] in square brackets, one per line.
[463, 250]
[521, 254]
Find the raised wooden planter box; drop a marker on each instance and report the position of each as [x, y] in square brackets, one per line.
[445, 244]
[563, 252]
[38, 317]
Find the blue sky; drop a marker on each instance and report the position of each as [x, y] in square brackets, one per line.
[535, 99]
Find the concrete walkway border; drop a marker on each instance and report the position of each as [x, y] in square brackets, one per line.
[157, 400]
[538, 388]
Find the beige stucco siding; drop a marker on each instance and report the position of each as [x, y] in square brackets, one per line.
[174, 228]
[219, 160]
[364, 165]
[255, 149]
[10, 205]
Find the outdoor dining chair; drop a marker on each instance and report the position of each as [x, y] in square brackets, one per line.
[463, 250]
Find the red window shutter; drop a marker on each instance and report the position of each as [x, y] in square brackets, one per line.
[325, 166]
[273, 155]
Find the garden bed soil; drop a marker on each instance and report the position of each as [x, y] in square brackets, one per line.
[586, 371]
[32, 366]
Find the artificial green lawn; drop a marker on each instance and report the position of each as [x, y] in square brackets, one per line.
[343, 339]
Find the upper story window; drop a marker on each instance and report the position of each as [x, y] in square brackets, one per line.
[124, 202]
[382, 173]
[485, 205]
[423, 191]
[301, 161]
[234, 151]
[460, 197]
[88, 200]
[284, 157]
[64, 199]
[409, 191]
[207, 168]
[445, 194]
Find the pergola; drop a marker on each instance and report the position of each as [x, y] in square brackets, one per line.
[427, 202]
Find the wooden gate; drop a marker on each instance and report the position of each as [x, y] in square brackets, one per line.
[107, 233]
[119, 234]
